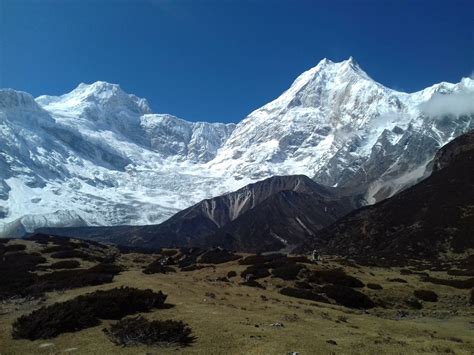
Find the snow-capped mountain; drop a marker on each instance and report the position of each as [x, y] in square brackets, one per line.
[338, 125]
[99, 156]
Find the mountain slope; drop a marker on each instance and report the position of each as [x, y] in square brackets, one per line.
[98, 156]
[436, 215]
[283, 220]
[266, 215]
[335, 123]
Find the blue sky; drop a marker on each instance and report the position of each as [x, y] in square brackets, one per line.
[217, 60]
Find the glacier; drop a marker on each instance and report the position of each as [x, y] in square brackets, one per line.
[99, 156]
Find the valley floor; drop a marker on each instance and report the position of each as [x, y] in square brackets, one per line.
[229, 318]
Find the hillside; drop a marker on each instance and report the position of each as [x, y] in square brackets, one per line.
[271, 214]
[422, 308]
[432, 217]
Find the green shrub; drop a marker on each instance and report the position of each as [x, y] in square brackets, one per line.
[426, 295]
[16, 262]
[14, 247]
[414, 303]
[72, 253]
[303, 294]
[85, 311]
[55, 249]
[260, 259]
[253, 283]
[217, 256]
[373, 286]
[140, 331]
[157, 268]
[288, 271]
[231, 274]
[303, 285]
[69, 279]
[461, 272]
[300, 259]
[348, 297]
[66, 264]
[16, 284]
[255, 272]
[192, 267]
[397, 279]
[461, 284]
[169, 252]
[336, 277]
[189, 256]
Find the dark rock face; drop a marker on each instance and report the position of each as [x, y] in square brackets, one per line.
[435, 215]
[268, 215]
[452, 151]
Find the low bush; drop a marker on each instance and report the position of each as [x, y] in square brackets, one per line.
[14, 247]
[16, 262]
[414, 303]
[461, 272]
[231, 274]
[69, 279]
[254, 272]
[66, 264]
[396, 279]
[105, 268]
[471, 297]
[348, 297]
[169, 252]
[304, 294]
[157, 268]
[288, 271]
[217, 256]
[85, 311]
[336, 277]
[253, 283]
[72, 253]
[16, 284]
[260, 259]
[119, 302]
[303, 285]
[21, 283]
[373, 286]
[48, 322]
[192, 267]
[140, 331]
[461, 284]
[129, 249]
[426, 295]
[55, 249]
[300, 259]
[189, 256]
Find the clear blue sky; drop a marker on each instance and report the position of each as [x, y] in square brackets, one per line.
[217, 60]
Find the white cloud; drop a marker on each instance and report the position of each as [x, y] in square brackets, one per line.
[460, 103]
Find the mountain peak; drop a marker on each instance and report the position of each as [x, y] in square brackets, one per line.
[346, 70]
[10, 98]
[100, 89]
[102, 93]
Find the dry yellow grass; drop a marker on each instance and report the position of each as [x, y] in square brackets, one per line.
[228, 318]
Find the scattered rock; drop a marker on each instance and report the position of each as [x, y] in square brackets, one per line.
[45, 345]
[277, 325]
